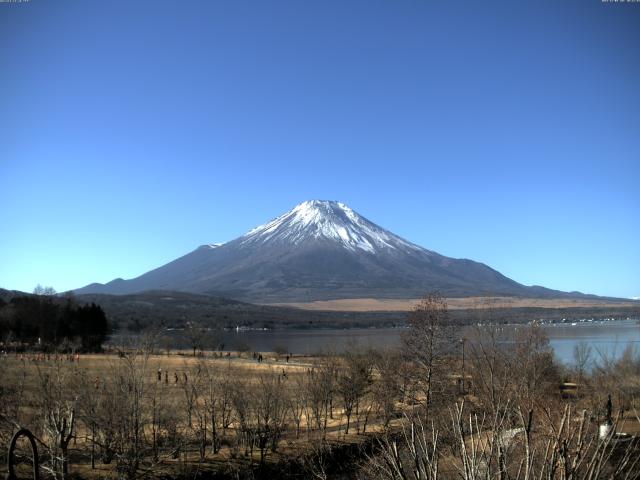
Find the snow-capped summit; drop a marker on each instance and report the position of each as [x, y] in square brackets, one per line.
[320, 250]
[329, 221]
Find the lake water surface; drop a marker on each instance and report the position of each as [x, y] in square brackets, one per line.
[606, 338]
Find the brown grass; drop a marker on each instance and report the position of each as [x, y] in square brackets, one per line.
[241, 365]
[403, 305]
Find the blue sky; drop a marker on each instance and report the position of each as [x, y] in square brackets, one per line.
[506, 132]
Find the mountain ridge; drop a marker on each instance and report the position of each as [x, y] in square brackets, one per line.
[321, 250]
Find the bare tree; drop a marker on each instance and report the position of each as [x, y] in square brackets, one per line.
[538, 377]
[44, 291]
[89, 401]
[160, 415]
[127, 389]
[12, 411]
[242, 408]
[196, 336]
[218, 398]
[490, 369]
[57, 402]
[353, 382]
[483, 447]
[387, 390]
[426, 342]
[269, 411]
[318, 460]
[297, 402]
[582, 356]
[320, 392]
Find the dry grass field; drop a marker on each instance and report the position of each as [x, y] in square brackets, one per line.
[403, 305]
[178, 385]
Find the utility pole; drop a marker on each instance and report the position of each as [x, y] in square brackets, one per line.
[462, 341]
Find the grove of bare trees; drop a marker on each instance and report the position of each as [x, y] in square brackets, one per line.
[422, 411]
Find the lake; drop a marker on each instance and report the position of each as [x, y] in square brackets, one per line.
[605, 338]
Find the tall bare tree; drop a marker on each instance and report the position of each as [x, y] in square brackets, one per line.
[426, 341]
[58, 403]
[127, 388]
[353, 383]
[320, 392]
[387, 390]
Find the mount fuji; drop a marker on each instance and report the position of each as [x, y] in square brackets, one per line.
[321, 250]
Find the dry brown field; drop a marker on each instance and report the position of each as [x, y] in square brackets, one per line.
[403, 305]
[28, 369]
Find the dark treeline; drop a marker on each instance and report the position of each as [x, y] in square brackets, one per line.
[52, 323]
[138, 312]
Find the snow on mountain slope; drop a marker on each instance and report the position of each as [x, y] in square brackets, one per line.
[329, 220]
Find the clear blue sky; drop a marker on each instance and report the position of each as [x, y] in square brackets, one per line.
[506, 132]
